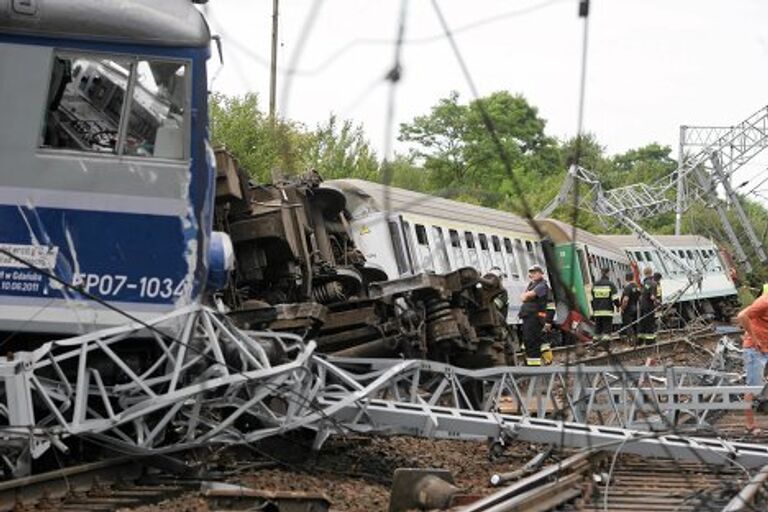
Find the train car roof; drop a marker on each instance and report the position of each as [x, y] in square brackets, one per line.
[371, 199]
[153, 22]
[562, 232]
[666, 240]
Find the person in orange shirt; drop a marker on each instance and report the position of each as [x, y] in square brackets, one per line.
[754, 320]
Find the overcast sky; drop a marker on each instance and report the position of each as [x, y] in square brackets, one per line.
[652, 65]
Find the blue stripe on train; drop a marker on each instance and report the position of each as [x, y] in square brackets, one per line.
[116, 256]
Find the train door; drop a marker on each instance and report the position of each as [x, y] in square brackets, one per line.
[497, 257]
[423, 250]
[485, 254]
[456, 253]
[520, 257]
[513, 269]
[530, 254]
[440, 251]
[471, 248]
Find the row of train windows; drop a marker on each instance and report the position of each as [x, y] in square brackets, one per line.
[708, 257]
[519, 254]
[617, 272]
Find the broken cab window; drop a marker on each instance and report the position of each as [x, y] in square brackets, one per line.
[156, 120]
[85, 102]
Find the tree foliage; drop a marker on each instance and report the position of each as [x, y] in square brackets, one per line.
[452, 153]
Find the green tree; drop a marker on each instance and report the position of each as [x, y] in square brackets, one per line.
[458, 152]
[339, 149]
[335, 148]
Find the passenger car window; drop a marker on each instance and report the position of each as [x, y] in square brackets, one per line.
[113, 105]
[421, 235]
[454, 238]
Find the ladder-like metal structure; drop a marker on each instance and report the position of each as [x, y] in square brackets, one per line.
[216, 384]
[720, 151]
[640, 198]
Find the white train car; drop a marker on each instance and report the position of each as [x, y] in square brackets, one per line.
[405, 232]
[717, 296]
[581, 256]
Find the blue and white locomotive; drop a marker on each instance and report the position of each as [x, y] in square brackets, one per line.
[107, 172]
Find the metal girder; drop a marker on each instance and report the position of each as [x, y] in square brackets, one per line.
[732, 146]
[204, 379]
[390, 417]
[614, 204]
[214, 384]
[724, 178]
[644, 397]
[721, 151]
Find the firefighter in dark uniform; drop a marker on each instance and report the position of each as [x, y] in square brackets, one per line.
[495, 280]
[657, 278]
[549, 330]
[646, 332]
[605, 297]
[630, 297]
[533, 313]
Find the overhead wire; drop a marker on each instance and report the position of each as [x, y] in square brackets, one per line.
[367, 41]
[501, 151]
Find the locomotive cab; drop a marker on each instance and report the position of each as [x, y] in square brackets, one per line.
[107, 171]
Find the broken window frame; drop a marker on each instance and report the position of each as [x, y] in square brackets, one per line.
[132, 61]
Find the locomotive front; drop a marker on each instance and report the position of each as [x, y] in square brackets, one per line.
[107, 174]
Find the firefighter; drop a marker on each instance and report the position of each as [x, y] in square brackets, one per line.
[648, 301]
[493, 283]
[630, 296]
[549, 330]
[605, 298]
[657, 278]
[533, 313]
[501, 299]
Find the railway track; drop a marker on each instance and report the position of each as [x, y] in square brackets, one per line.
[128, 483]
[593, 482]
[694, 343]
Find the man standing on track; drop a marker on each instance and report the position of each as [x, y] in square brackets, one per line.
[533, 313]
[604, 298]
[648, 302]
[754, 321]
[630, 297]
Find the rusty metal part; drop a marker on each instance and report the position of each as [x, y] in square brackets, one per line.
[544, 490]
[295, 317]
[224, 496]
[105, 486]
[423, 489]
[529, 467]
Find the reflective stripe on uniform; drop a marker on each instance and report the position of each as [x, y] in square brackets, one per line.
[647, 336]
[533, 361]
[601, 292]
[603, 312]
